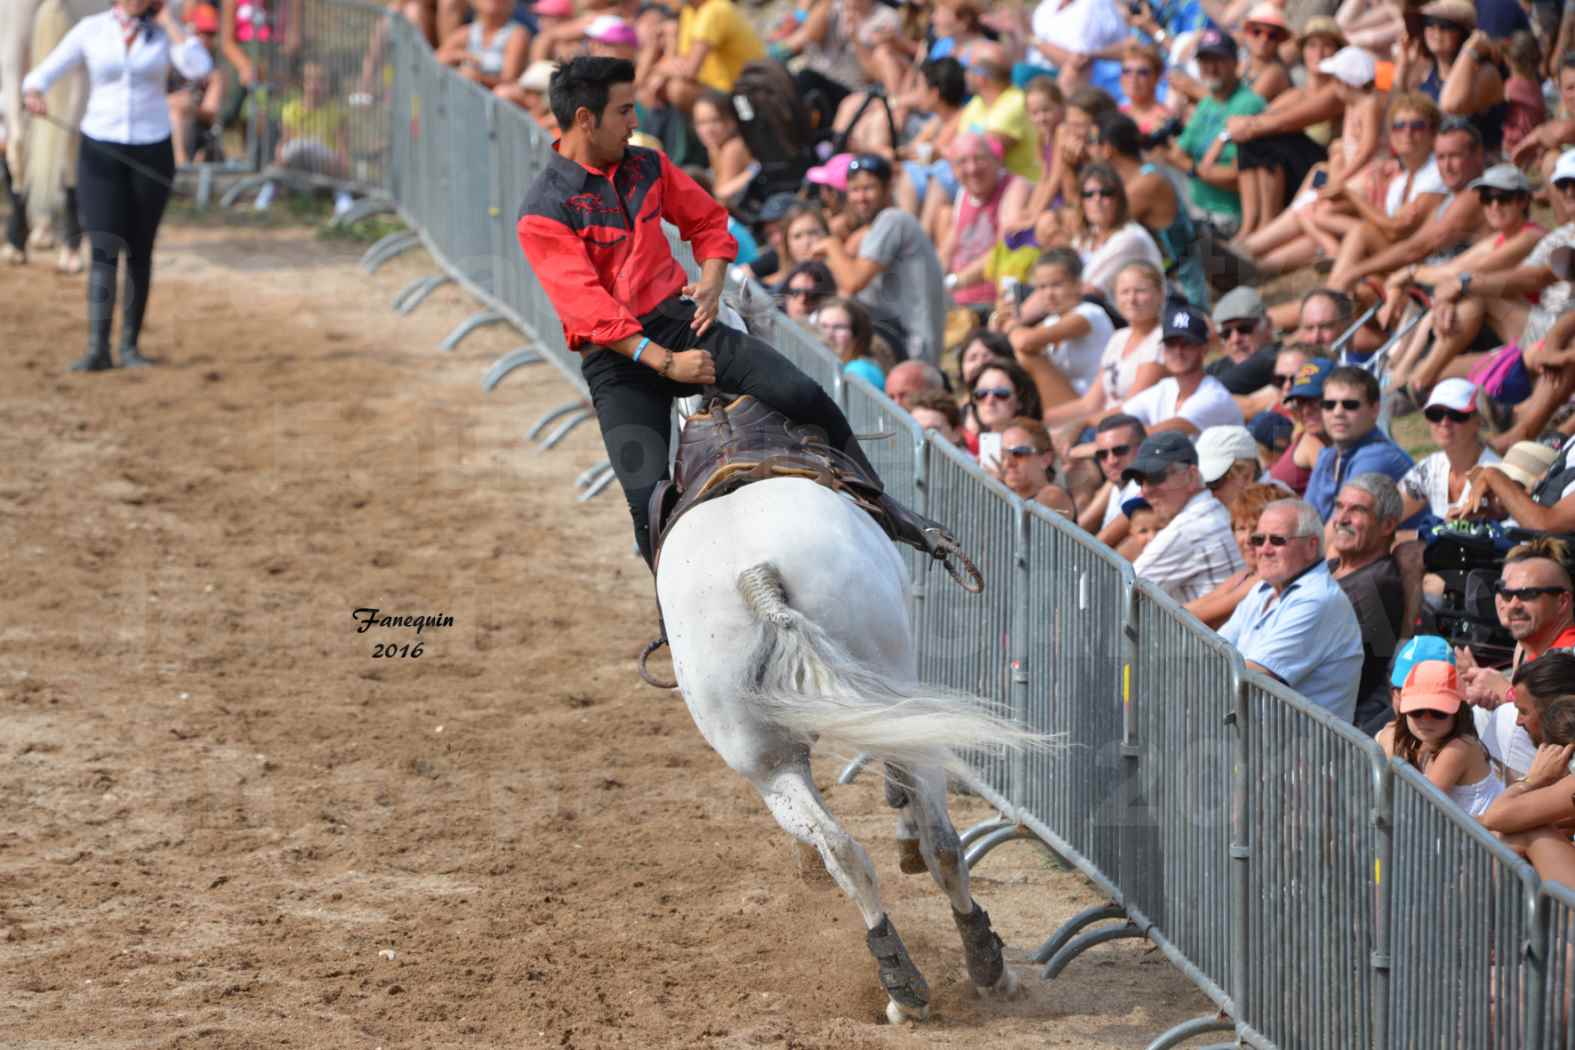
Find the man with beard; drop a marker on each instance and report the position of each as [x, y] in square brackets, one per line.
[1361, 531]
[1213, 185]
[879, 254]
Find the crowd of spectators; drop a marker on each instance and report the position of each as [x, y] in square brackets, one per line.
[1175, 271]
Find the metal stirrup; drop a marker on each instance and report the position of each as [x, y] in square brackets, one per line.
[645, 654]
[950, 554]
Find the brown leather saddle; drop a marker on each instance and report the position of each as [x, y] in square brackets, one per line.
[729, 444]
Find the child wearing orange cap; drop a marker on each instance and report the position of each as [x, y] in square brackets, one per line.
[1436, 733]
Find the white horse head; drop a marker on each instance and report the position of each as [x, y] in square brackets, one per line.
[786, 609]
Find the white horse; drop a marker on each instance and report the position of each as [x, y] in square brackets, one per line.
[41, 154]
[786, 611]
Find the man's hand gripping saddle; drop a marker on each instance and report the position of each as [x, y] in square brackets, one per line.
[730, 444]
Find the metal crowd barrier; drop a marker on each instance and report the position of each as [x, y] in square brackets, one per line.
[1321, 897]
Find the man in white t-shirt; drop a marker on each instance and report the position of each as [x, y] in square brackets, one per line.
[1187, 399]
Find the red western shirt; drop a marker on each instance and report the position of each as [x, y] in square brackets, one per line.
[595, 240]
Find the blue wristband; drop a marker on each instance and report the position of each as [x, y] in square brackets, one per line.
[641, 348]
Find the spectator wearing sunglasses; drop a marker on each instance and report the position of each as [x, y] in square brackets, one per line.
[1297, 625]
[1025, 464]
[1534, 605]
[1458, 315]
[1359, 535]
[1116, 442]
[1110, 237]
[1357, 445]
[1247, 365]
[807, 286]
[1196, 551]
[1435, 732]
[1461, 68]
[1437, 483]
[998, 393]
[1142, 68]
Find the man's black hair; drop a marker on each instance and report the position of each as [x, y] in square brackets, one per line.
[1121, 421]
[947, 77]
[1354, 376]
[1549, 676]
[586, 81]
[1120, 133]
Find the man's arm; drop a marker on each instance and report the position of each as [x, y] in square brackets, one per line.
[1518, 504]
[1460, 219]
[851, 273]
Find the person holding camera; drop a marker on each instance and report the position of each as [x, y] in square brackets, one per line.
[126, 166]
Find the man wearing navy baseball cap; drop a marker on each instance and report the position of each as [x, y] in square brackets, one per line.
[1187, 400]
[1196, 550]
[1213, 184]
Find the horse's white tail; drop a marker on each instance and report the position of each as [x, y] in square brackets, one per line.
[50, 149]
[808, 684]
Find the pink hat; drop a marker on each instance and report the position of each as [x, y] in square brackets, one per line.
[610, 29]
[1432, 685]
[1267, 14]
[555, 8]
[833, 173]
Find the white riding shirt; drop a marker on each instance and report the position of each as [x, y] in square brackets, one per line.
[126, 87]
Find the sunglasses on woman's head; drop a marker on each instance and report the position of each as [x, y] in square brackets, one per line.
[1501, 196]
[1414, 126]
[1099, 191]
[1350, 404]
[1000, 393]
[1114, 451]
[1438, 413]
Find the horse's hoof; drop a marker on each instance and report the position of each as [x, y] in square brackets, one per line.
[1005, 988]
[896, 1013]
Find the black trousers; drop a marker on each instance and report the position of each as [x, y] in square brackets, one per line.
[121, 207]
[634, 403]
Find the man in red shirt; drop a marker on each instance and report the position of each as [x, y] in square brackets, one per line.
[591, 229]
[1534, 604]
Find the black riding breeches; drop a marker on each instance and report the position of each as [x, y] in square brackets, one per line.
[634, 403]
[121, 206]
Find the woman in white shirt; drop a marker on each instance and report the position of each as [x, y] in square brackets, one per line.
[1438, 482]
[1110, 238]
[1130, 361]
[126, 166]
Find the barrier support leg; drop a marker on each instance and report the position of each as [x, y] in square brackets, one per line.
[594, 489]
[387, 246]
[412, 294]
[567, 425]
[1062, 959]
[1187, 1029]
[551, 414]
[999, 836]
[242, 187]
[1075, 925]
[983, 828]
[515, 358]
[468, 325]
[851, 771]
[363, 209]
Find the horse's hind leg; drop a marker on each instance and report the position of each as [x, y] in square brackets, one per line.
[943, 855]
[910, 856]
[791, 796]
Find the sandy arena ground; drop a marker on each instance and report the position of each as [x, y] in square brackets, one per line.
[225, 824]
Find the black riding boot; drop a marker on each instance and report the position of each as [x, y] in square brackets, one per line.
[100, 304]
[136, 305]
[907, 525]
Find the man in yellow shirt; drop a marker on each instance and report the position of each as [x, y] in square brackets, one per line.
[715, 41]
[999, 109]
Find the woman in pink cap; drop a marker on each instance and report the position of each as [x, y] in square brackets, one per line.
[1264, 31]
[1436, 732]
